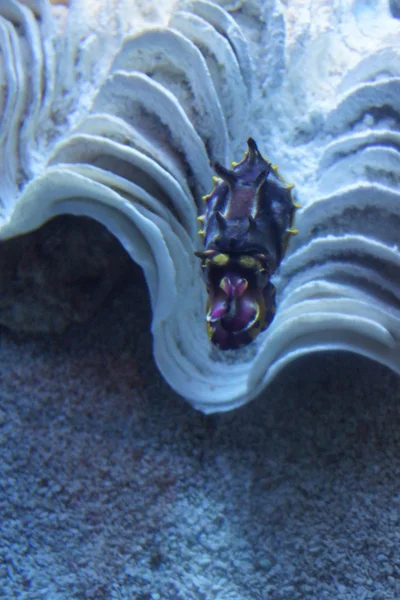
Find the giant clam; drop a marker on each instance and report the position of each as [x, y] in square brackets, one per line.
[117, 114]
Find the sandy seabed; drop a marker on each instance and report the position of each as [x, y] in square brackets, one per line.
[113, 487]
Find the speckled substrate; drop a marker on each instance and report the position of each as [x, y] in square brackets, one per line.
[109, 494]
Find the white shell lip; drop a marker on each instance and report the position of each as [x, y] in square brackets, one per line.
[115, 114]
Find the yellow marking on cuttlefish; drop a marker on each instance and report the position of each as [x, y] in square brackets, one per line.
[292, 231]
[294, 204]
[201, 218]
[259, 321]
[278, 175]
[201, 233]
[248, 262]
[220, 259]
[236, 164]
[215, 179]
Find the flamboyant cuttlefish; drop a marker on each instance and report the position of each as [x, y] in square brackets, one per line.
[246, 227]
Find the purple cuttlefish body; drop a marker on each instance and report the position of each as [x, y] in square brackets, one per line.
[246, 227]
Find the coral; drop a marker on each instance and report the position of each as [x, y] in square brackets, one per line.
[116, 110]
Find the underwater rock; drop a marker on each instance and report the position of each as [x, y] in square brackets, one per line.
[116, 113]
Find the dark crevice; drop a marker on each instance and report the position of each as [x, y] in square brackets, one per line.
[60, 274]
[376, 223]
[341, 276]
[339, 155]
[383, 113]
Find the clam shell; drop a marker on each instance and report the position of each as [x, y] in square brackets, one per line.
[115, 112]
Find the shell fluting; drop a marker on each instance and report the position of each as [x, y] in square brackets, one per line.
[129, 137]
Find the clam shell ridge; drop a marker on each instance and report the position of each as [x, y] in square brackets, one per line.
[116, 114]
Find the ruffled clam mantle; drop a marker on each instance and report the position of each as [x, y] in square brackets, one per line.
[114, 110]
